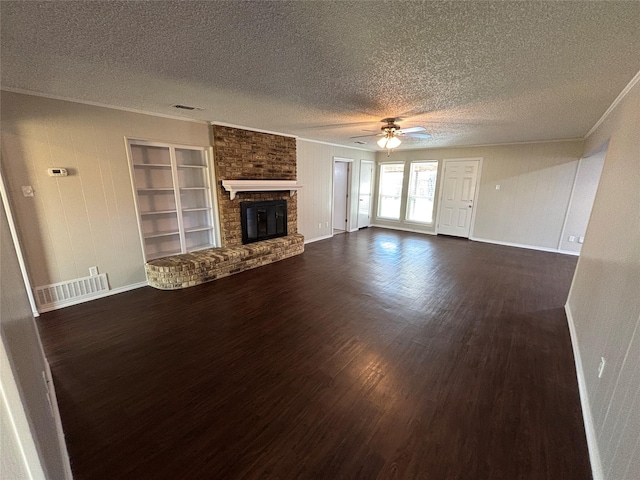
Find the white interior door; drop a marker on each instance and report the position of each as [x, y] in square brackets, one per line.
[364, 195]
[340, 192]
[457, 197]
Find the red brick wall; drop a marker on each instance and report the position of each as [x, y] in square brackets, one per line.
[246, 155]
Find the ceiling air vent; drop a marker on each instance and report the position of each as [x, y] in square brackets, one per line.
[186, 107]
[360, 142]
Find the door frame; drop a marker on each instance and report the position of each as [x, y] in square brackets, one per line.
[372, 188]
[476, 193]
[4, 198]
[349, 162]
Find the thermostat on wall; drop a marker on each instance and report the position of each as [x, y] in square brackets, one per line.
[57, 172]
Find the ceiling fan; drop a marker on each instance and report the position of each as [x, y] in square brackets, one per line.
[391, 133]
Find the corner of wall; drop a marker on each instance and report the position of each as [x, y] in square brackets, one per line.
[592, 444]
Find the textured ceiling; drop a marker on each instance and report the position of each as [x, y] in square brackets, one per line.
[470, 72]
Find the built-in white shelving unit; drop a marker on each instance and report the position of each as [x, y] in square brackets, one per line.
[173, 197]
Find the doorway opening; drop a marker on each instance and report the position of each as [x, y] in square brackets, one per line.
[341, 183]
[583, 194]
[364, 193]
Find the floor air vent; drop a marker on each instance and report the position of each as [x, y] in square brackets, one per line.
[56, 295]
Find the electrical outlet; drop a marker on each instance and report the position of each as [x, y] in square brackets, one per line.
[601, 367]
[327, 224]
[27, 191]
[93, 271]
[497, 187]
[319, 225]
[581, 240]
[572, 238]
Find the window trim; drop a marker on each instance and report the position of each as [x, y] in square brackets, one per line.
[435, 191]
[378, 195]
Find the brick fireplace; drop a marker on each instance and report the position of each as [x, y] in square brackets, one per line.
[247, 155]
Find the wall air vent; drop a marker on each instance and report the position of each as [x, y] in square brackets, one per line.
[57, 295]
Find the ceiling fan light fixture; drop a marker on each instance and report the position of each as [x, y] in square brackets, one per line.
[393, 142]
[389, 142]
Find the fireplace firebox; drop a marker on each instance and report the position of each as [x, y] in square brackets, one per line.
[263, 220]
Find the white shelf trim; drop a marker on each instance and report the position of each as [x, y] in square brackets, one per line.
[235, 186]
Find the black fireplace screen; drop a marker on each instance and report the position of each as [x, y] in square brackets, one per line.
[263, 220]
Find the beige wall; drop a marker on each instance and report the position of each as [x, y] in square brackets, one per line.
[32, 428]
[315, 199]
[88, 218]
[604, 301]
[535, 186]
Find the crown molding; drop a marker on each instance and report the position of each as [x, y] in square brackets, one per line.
[615, 103]
[337, 145]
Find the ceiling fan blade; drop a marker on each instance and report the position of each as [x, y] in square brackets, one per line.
[419, 135]
[362, 136]
[336, 125]
[411, 130]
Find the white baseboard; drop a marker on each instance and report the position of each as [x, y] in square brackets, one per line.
[324, 237]
[114, 291]
[520, 245]
[592, 444]
[403, 229]
[569, 252]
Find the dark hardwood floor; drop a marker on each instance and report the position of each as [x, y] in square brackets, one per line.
[374, 355]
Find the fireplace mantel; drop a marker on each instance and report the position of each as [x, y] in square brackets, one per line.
[235, 186]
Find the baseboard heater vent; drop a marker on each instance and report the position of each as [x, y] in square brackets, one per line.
[63, 294]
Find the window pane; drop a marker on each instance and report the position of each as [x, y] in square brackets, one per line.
[422, 191]
[390, 190]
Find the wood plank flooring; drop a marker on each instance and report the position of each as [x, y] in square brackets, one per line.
[374, 355]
